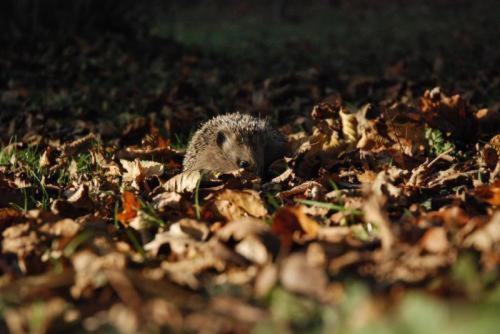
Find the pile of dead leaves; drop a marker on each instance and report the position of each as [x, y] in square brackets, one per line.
[95, 234]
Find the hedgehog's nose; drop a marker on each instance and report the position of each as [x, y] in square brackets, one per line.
[244, 164]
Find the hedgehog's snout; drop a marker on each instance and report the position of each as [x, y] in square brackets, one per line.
[244, 164]
[248, 163]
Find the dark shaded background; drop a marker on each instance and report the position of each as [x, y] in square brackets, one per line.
[116, 59]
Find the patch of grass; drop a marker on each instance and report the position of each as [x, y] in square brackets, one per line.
[37, 320]
[29, 156]
[4, 157]
[333, 184]
[84, 163]
[115, 215]
[135, 242]
[149, 213]
[273, 201]
[63, 177]
[44, 201]
[292, 313]
[77, 241]
[25, 206]
[181, 141]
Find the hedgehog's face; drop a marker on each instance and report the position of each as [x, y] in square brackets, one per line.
[241, 152]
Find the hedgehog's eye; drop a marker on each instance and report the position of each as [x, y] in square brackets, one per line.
[244, 164]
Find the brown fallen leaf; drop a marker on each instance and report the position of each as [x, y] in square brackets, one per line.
[64, 227]
[47, 158]
[407, 264]
[289, 220]
[486, 238]
[450, 114]
[236, 204]
[254, 239]
[266, 280]
[197, 230]
[241, 228]
[91, 271]
[167, 200]
[124, 318]
[79, 145]
[137, 171]
[312, 188]
[298, 275]
[373, 209]
[163, 313]
[184, 182]
[253, 249]
[9, 216]
[434, 240]
[490, 193]
[20, 239]
[495, 143]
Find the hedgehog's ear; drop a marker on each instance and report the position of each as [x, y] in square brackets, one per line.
[221, 138]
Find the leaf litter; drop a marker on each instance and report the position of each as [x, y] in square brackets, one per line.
[396, 193]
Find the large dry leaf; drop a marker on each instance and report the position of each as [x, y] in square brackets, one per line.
[236, 204]
[298, 275]
[184, 182]
[167, 200]
[137, 171]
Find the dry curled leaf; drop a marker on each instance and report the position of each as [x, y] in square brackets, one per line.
[130, 207]
[137, 171]
[79, 145]
[236, 204]
[167, 200]
[184, 182]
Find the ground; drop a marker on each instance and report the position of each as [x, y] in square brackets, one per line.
[383, 218]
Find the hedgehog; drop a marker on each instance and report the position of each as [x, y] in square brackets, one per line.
[232, 141]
